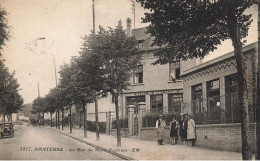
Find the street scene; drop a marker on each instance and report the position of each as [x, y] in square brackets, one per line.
[32, 143]
[129, 80]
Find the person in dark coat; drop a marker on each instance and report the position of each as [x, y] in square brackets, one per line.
[174, 125]
[181, 129]
[185, 126]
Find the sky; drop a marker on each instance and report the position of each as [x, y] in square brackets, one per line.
[63, 23]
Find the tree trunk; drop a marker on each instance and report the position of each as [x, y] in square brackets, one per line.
[39, 118]
[10, 117]
[59, 119]
[118, 129]
[56, 119]
[84, 120]
[96, 113]
[70, 121]
[51, 119]
[43, 119]
[242, 94]
[3, 117]
[257, 108]
[62, 119]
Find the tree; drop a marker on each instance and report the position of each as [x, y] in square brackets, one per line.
[50, 98]
[81, 92]
[257, 111]
[112, 55]
[67, 86]
[4, 29]
[193, 28]
[10, 100]
[39, 108]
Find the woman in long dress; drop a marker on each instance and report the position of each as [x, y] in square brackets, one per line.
[160, 124]
[191, 130]
[174, 125]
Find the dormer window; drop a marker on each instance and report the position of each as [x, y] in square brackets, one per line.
[140, 44]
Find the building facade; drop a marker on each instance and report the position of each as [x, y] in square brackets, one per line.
[158, 86]
[211, 89]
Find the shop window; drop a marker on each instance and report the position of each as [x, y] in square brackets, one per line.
[156, 104]
[233, 114]
[214, 109]
[138, 74]
[174, 70]
[175, 101]
[134, 101]
[197, 104]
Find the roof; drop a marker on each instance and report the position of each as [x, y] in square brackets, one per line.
[140, 33]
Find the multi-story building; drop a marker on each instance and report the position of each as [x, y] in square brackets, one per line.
[158, 86]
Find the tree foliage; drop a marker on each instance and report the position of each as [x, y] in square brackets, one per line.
[10, 99]
[111, 56]
[193, 28]
[4, 29]
[107, 61]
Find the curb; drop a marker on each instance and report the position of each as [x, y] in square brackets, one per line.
[97, 146]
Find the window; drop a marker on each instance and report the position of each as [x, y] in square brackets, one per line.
[140, 44]
[232, 105]
[134, 101]
[138, 74]
[175, 101]
[156, 104]
[174, 70]
[197, 104]
[214, 109]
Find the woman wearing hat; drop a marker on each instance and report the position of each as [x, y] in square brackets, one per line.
[160, 124]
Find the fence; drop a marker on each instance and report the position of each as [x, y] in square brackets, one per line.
[215, 109]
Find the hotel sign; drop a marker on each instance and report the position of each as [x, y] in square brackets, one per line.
[158, 92]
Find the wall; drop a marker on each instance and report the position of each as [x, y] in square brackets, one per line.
[155, 78]
[222, 137]
[124, 132]
[225, 137]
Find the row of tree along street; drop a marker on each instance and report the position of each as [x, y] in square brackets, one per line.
[182, 28]
[103, 67]
[10, 100]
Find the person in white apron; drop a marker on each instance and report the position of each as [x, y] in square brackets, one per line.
[191, 130]
[160, 124]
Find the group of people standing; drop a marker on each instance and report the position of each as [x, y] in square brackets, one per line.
[183, 129]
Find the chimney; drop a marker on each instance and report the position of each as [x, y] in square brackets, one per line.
[129, 27]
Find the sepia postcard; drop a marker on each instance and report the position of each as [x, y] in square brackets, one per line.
[129, 80]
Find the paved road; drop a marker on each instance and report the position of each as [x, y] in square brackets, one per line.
[37, 143]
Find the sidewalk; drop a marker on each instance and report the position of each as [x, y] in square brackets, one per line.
[149, 149]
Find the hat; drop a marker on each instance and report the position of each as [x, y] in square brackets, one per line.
[160, 115]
